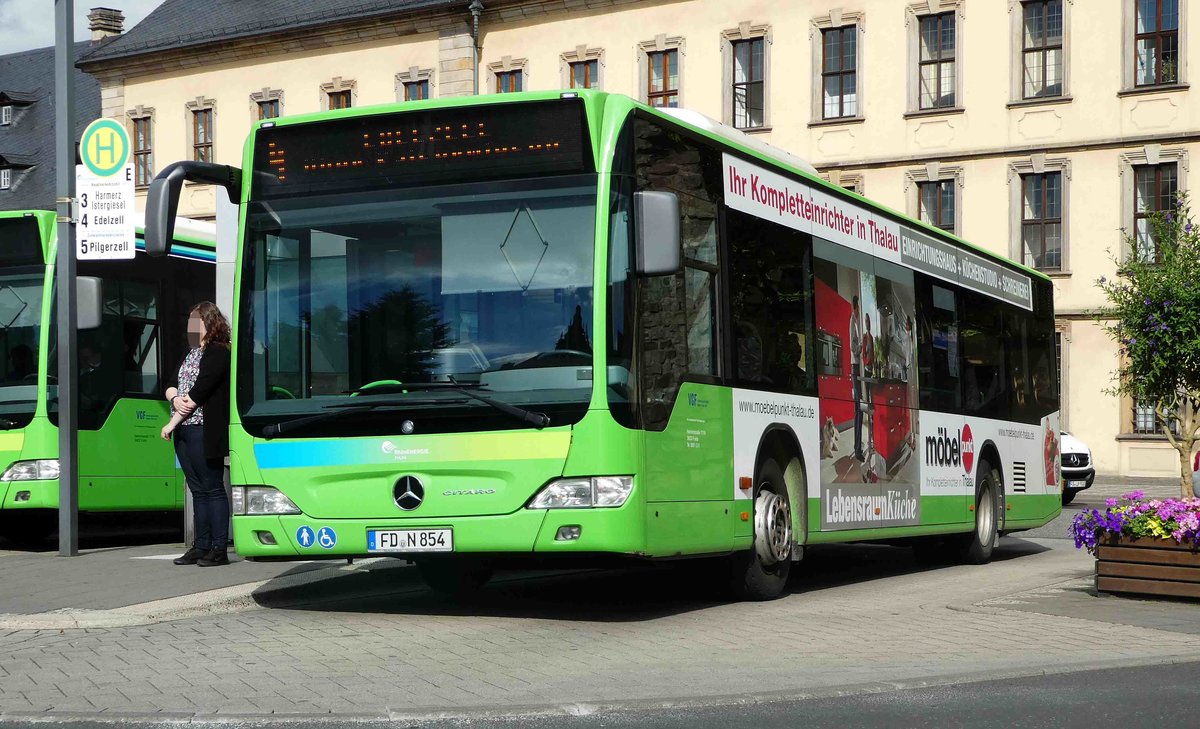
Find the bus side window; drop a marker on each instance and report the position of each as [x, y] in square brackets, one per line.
[772, 304]
[1022, 364]
[937, 346]
[986, 385]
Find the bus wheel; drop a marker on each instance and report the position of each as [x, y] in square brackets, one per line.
[28, 527]
[761, 573]
[977, 547]
[455, 577]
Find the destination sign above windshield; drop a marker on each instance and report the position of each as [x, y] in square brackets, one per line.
[422, 147]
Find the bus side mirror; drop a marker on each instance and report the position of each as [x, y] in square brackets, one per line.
[656, 215]
[89, 305]
[162, 202]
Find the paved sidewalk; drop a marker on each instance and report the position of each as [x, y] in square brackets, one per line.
[371, 642]
[117, 586]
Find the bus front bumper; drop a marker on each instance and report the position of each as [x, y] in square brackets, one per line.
[527, 531]
[29, 494]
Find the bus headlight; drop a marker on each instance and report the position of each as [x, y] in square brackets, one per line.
[583, 493]
[43, 470]
[259, 500]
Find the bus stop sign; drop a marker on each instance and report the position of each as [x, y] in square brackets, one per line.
[104, 188]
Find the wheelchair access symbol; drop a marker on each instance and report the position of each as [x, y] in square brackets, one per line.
[326, 537]
[305, 536]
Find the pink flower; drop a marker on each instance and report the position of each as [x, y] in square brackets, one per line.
[1110, 502]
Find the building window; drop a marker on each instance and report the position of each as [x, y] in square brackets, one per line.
[1041, 220]
[1145, 420]
[5, 178]
[1155, 189]
[266, 103]
[415, 84]
[508, 82]
[1156, 42]
[936, 201]
[748, 87]
[6, 114]
[143, 162]
[936, 69]
[662, 82]
[340, 99]
[1042, 48]
[585, 74]
[416, 90]
[582, 68]
[839, 72]
[202, 135]
[268, 109]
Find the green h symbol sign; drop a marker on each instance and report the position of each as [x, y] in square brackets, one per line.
[104, 147]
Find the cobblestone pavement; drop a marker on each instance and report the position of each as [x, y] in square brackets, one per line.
[859, 616]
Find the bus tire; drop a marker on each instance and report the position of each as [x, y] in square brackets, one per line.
[455, 577]
[978, 545]
[28, 527]
[761, 573]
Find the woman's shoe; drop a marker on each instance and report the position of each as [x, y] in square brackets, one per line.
[192, 556]
[213, 558]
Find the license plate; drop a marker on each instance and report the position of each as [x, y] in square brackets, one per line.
[1076, 484]
[410, 540]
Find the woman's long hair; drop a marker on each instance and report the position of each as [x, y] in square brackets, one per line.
[216, 326]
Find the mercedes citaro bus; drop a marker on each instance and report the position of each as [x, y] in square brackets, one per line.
[570, 325]
[133, 315]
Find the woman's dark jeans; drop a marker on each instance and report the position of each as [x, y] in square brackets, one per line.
[206, 479]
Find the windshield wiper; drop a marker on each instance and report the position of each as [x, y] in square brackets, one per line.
[533, 417]
[335, 411]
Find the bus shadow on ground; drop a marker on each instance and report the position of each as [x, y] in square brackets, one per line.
[113, 530]
[637, 593]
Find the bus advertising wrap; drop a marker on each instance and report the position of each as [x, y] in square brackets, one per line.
[880, 455]
[766, 194]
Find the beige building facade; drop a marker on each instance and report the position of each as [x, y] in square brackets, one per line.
[1041, 129]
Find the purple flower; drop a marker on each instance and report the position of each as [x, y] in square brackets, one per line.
[1110, 502]
[1134, 495]
[1103, 280]
[1187, 228]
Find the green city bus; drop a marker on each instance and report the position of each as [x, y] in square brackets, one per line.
[568, 328]
[143, 303]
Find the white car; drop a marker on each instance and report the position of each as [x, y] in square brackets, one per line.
[1078, 469]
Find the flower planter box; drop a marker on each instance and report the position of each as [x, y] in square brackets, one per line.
[1140, 566]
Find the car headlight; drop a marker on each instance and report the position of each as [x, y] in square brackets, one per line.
[42, 470]
[258, 500]
[583, 493]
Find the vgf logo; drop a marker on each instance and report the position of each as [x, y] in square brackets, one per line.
[693, 399]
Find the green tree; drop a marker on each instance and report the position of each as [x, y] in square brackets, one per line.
[1153, 314]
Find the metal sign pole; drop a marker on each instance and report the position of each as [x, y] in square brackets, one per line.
[68, 375]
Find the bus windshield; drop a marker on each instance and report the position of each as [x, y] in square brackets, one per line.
[22, 278]
[20, 322]
[486, 284]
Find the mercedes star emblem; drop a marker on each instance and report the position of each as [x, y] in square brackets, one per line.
[409, 492]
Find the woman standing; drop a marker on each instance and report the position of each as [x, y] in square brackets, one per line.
[199, 396]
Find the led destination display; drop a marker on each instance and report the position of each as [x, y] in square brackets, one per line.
[422, 148]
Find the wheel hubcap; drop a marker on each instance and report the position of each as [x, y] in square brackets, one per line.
[772, 527]
[985, 523]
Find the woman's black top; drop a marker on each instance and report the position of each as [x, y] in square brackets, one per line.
[211, 392]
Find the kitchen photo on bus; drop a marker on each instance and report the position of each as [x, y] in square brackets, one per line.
[867, 374]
